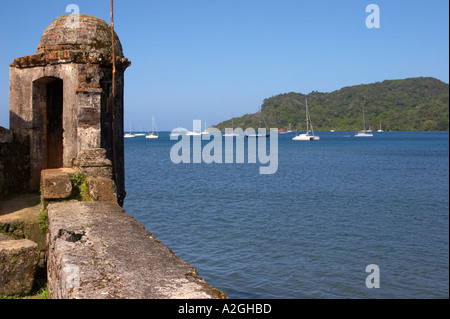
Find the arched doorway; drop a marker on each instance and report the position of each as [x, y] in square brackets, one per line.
[47, 125]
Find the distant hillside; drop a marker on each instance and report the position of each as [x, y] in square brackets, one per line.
[418, 104]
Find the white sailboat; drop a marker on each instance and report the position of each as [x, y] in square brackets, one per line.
[231, 133]
[258, 133]
[140, 134]
[178, 132]
[192, 133]
[364, 133]
[380, 130]
[154, 135]
[175, 134]
[197, 129]
[309, 135]
[130, 134]
[205, 132]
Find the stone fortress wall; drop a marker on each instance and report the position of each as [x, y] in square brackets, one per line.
[62, 179]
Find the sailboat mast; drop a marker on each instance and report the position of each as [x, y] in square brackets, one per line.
[260, 114]
[364, 120]
[307, 119]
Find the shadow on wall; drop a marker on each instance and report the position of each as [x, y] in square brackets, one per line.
[14, 163]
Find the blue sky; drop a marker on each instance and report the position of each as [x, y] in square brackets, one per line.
[208, 59]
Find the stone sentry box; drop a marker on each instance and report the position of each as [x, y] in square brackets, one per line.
[61, 97]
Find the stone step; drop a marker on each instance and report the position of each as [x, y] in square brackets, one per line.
[18, 263]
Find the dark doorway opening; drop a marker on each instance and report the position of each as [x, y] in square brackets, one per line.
[55, 123]
[47, 127]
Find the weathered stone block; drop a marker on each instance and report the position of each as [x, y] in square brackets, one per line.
[55, 184]
[93, 162]
[6, 136]
[18, 262]
[102, 189]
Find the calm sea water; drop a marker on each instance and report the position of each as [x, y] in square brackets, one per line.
[310, 230]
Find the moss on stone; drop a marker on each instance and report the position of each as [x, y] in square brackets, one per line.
[43, 221]
[79, 187]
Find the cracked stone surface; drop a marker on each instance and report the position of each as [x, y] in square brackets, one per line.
[97, 251]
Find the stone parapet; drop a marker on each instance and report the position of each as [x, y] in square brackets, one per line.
[97, 251]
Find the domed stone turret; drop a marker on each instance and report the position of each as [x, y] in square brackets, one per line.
[78, 39]
[63, 100]
[79, 33]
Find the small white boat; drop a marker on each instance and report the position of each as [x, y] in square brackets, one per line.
[282, 131]
[174, 134]
[140, 134]
[289, 129]
[191, 133]
[364, 133]
[130, 134]
[306, 137]
[231, 133]
[154, 135]
[380, 130]
[309, 135]
[257, 134]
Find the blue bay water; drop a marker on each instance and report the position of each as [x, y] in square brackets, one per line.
[310, 230]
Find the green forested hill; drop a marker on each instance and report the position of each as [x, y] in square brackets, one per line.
[419, 104]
